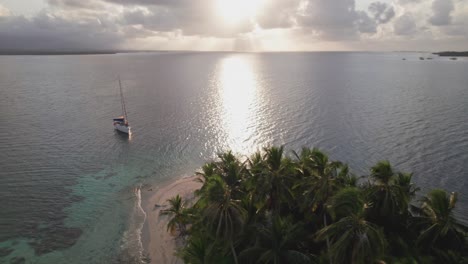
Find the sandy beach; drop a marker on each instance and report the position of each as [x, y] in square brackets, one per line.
[161, 244]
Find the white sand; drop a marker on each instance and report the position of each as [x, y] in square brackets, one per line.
[162, 244]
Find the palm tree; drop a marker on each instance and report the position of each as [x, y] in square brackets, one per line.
[276, 243]
[269, 181]
[229, 168]
[440, 229]
[196, 251]
[345, 178]
[303, 163]
[178, 215]
[208, 170]
[267, 207]
[319, 181]
[389, 194]
[199, 249]
[404, 181]
[322, 184]
[278, 175]
[352, 238]
[224, 215]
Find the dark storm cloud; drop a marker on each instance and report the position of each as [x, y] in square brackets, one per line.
[405, 25]
[45, 32]
[381, 12]
[441, 12]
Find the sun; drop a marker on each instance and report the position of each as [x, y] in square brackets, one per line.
[236, 11]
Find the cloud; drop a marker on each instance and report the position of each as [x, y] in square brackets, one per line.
[4, 11]
[442, 10]
[76, 4]
[381, 12]
[46, 32]
[405, 25]
[278, 14]
[166, 3]
[332, 19]
[128, 3]
[404, 2]
[152, 16]
[329, 13]
[196, 18]
[459, 24]
[366, 24]
[198, 24]
[157, 19]
[339, 20]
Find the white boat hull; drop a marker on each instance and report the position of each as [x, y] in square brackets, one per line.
[123, 128]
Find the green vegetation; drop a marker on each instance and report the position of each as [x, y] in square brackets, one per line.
[453, 54]
[306, 208]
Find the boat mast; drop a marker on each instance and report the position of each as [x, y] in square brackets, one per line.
[122, 101]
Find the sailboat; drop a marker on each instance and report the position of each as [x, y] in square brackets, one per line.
[121, 122]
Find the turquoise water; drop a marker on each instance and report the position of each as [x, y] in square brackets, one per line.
[69, 183]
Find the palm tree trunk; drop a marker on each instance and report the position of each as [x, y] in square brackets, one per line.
[234, 253]
[328, 240]
[218, 228]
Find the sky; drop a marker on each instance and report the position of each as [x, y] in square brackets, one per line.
[234, 25]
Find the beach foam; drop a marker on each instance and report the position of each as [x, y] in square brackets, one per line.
[131, 249]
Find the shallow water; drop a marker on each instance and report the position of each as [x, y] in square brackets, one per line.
[67, 180]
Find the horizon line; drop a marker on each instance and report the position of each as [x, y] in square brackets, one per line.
[117, 51]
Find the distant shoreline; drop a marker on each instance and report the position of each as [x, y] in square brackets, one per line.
[452, 53]
[71, 52]
[15, 53]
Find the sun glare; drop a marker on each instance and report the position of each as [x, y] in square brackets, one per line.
[235, 11]
[238, 88]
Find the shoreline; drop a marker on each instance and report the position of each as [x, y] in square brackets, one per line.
[158, 243]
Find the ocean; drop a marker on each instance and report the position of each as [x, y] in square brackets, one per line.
[71, 187]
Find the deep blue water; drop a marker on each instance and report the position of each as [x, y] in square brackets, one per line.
[67, 178]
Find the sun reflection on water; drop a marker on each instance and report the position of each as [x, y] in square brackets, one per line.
[239, 95]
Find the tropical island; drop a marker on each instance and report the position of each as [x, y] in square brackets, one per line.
[452, 54]
[306, 208]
